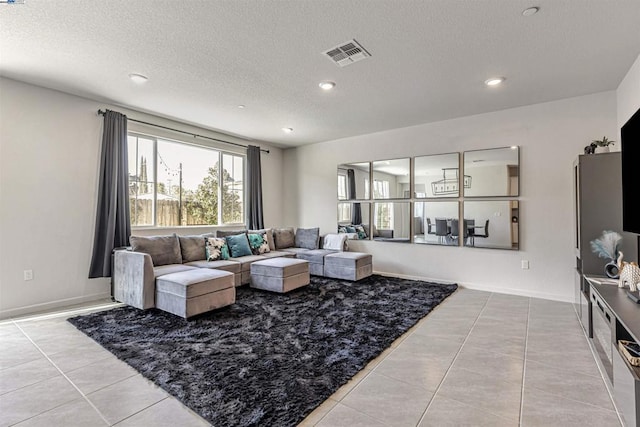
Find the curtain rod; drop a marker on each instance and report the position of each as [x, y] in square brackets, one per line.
[195, 135]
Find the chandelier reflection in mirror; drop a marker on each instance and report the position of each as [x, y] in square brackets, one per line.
[449, 182]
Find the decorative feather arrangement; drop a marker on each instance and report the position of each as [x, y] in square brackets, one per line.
[608, 245]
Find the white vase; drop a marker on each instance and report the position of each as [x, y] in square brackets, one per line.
[601, 149]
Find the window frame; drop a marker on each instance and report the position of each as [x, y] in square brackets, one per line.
[221, 152]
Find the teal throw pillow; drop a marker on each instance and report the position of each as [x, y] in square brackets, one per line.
[239, 245]
[361, 233]
[350, 229]
[216, 248]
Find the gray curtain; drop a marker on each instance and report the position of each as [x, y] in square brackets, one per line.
[356, 211]
[113, 224]
[254, 188]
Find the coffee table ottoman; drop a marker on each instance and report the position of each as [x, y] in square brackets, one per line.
[280, 274]
[348, 265]
[191, 292]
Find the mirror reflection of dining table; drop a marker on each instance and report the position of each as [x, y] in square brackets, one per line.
[470, 235]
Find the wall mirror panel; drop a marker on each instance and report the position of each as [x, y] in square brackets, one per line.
[492, 224]
[353, 181]
[391, 179]
[352, 214]
[492, 173]
[391, 222]
[433, 221]
[436, 175]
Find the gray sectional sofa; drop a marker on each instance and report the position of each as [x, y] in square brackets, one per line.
[148, 258]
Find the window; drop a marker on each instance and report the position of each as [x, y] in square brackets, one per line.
[174, 184]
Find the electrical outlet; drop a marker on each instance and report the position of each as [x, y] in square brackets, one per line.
[28, 275]
[524, 264]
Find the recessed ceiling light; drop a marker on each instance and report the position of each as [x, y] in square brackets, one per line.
[287, 130]
[327, 85]
[494, 81]
[530, 11]
[138, 78]
[241, 106]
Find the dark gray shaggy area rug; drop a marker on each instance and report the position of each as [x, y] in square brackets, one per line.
[269, 359]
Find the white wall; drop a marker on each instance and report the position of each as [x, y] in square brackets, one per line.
[550, 135]
[49, 160]
[628, 96]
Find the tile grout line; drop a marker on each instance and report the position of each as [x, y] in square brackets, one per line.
[524, 363]
[65, 377]
[435, 393]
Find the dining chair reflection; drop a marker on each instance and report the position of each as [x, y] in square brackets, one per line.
[442, 230]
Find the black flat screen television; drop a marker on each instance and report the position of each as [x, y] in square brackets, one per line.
[630, 147]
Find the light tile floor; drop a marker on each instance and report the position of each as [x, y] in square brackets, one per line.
[479, 359]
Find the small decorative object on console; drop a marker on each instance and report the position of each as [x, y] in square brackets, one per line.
[629, 274]
[631, 351]
[608, 247]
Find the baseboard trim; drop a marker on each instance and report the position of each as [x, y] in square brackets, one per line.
[477, 287]
[63, 303]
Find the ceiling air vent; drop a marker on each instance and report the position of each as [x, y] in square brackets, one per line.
[347, 53]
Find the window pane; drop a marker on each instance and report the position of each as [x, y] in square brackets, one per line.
[187, 185]
[232, 189]
[141, 184]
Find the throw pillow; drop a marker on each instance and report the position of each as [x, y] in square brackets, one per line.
[258, 243]
[307, 238]
[350, 229]
[163, 250]
[342, 229]
[361, 233]
[193, 247]
[238, 245]
[216, 248]
[225, 233]
[284, 237]
[272, 245]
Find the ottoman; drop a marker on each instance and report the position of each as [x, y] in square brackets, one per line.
[196, 291]
[348, 265]
[279, 274]
[316, 260]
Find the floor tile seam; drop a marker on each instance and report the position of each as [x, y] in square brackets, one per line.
[360, 412]
[483, 409]
[453, 361]
[77, 399]
[524, 365]
[67, 379]
[28, 385]
[490, 376]
[572, 371]
[323, 415]
[602, 375]
[562, 396]
[145, 408]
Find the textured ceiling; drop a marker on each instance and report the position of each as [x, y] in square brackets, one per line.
[429, 58]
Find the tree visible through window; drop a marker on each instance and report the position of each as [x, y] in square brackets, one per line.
[180, 184]
[383, 211]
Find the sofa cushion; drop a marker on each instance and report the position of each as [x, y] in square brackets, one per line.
[239, 245]
[226, 265]
[216, 249]
[284, 237]
[193, 247]
[170, 268]
[258, 243]
[246, 261]
[269, 231]
[315, 256]
[307, 238]
[295, 251]
[276, 254]
[162, 249]
[225, 233]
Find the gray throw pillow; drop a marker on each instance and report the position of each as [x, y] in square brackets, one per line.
[225, 233]
[284, 237]
[162, 249]
[193, 247]
[307, 238]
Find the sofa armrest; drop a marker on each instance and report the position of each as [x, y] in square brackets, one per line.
[134, 282]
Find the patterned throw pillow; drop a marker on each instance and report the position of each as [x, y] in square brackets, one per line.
[361, 233]
[258, 242]
[342, 229]
[216, 248]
